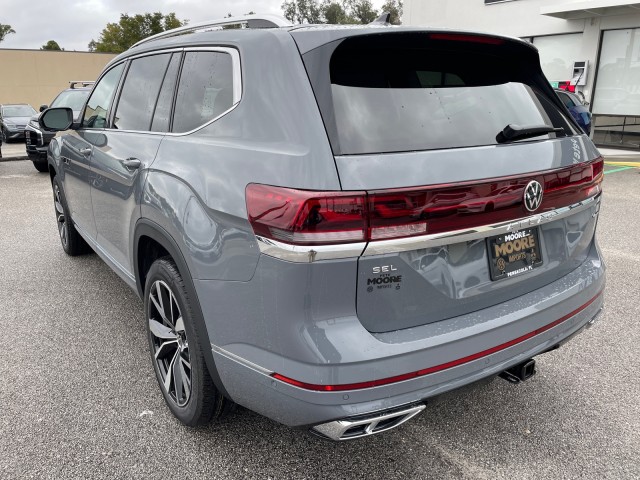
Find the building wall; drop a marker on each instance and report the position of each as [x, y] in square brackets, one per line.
[37, 76]
[518, 18]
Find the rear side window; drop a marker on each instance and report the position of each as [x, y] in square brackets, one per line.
[405, 92]
[205, 90]
[140, 92]
[95, 113]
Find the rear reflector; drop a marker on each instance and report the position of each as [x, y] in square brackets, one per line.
[302, 217]
[436, 368]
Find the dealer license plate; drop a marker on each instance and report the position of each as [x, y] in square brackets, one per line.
[514, 253]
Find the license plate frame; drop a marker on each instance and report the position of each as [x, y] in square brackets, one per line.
[514, 253]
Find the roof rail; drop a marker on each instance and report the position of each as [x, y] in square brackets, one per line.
[81, 83]
[251, 21]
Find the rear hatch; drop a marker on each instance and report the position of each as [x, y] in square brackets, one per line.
[467, 206]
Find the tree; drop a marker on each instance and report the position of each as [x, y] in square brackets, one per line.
[362, 11]
[118, 37]
[394, 7]
[51, 45]
[5, 30]
[303, 11]
[339, 11]
[335, 14]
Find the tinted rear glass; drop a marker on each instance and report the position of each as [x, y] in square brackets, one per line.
[406, 92]
[205, 90]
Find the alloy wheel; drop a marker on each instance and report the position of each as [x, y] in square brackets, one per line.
[63, 228]
[169, 339]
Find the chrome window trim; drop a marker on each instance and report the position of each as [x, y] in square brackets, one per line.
[313, 253]
[237, 86]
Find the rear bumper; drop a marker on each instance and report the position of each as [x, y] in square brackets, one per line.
[488, 341]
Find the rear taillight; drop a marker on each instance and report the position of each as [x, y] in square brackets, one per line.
[302, 217]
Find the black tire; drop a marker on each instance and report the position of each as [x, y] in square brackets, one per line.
[72, 243]
[41, 165]
[177, 351]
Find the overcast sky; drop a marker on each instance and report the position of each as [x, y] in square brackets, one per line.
[73, 23]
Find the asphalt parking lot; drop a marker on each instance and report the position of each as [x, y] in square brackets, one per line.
[78, 397]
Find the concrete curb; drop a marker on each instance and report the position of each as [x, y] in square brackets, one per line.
[13, 159]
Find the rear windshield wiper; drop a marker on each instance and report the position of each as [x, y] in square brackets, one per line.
[513, 132]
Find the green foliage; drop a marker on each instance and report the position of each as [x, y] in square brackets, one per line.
[5, 30]
[303, 11]
[51, 45]
[118, 37]
[339, 11]
[362, 11]
[394, 7]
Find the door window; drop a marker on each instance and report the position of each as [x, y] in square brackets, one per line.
[205, 90]
[162, 114]
[140, 92]
[95, 113]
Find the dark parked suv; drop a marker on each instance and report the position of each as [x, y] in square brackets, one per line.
[330, 225]
[37, 139]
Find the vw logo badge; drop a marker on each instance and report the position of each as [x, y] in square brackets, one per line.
[533, 196]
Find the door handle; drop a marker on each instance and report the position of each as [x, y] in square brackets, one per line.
[131, 163]
[85, 151]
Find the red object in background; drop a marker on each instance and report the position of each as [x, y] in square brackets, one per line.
[567, 86]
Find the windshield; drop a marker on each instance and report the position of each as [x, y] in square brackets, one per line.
[407, 92]
[73, 99]
[18, 111]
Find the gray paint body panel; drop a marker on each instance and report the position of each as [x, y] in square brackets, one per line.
[371, 172]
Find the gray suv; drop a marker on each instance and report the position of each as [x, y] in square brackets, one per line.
[331, 225]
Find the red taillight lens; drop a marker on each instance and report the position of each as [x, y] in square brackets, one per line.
[393, 215]
[306, 217]
[303, 217]
[458, 37]
[572, 185]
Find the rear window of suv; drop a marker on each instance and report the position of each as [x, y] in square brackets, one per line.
[405, 92]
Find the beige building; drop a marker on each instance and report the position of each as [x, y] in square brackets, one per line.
[37, 76]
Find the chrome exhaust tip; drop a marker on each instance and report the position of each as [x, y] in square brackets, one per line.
[364, 426]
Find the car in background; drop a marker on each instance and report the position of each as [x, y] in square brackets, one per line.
[577, 109]
[13, 120]
[37, 140]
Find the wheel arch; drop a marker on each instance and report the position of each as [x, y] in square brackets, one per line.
[146, 231]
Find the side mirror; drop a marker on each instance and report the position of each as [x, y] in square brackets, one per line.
[43, 107]
[56, 119]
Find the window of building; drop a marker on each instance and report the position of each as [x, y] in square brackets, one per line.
[140, 92]
[95, 114]
[616, 104]
[205, 90]
[557, 54]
